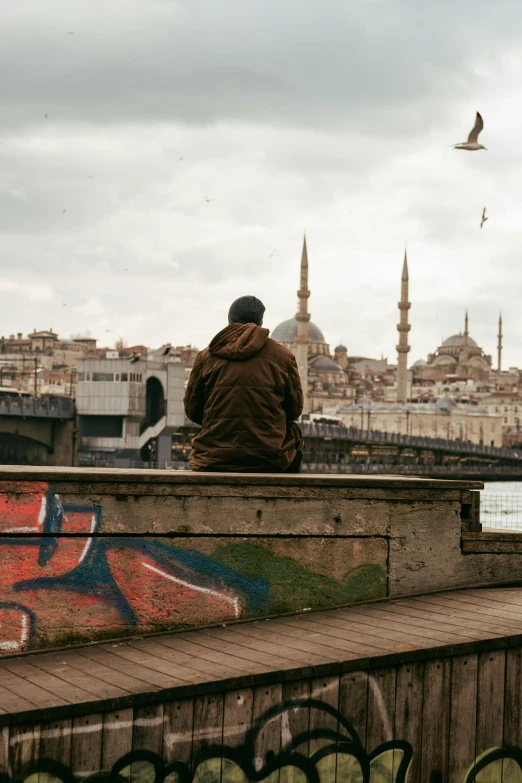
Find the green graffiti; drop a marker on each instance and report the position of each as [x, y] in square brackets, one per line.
[496, 765]
[345, 767]
[292, 586]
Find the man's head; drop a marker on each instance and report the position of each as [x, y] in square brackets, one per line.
[246, 310]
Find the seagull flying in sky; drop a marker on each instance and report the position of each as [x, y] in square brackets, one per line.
[484, 218]
[472, 142]
[207, 199]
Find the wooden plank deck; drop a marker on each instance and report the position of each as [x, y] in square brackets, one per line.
[109, 676]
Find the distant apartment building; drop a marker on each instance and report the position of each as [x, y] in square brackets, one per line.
[43, 362]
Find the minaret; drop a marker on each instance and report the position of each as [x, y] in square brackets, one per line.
[499, 346]
[403, 328]
[302, 317]
[466, 326]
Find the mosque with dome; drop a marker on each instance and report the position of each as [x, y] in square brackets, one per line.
[326, 378]
[370, 393]
[458, 356]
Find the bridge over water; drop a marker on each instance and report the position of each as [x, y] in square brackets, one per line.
[38, 431]
[332, 448]
[43, 431]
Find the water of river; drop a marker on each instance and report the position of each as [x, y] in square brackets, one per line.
[504, 487]
[501, 505]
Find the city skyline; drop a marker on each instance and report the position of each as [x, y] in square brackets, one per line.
[112, 339]
[166, 161]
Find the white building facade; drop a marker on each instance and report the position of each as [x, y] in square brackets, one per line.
[124, 406]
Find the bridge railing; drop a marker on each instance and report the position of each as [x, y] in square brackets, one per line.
[480, 471]
[46, 407]
[334, 432]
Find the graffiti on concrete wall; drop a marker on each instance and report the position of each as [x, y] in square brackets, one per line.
[339, 755]
[62, 580]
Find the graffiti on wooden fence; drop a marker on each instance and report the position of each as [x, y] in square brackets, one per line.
[339, 755]
[278, 757]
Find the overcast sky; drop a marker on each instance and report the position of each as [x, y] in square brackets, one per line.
[325, 115]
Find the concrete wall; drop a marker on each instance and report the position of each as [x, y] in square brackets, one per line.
[89, 554]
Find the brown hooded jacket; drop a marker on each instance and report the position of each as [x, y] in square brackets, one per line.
[245, 391]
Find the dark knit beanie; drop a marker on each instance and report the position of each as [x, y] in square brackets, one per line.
[246, 310]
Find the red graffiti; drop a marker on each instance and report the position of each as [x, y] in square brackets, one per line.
[60, 582]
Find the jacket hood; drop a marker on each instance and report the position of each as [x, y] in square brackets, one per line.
[238, 342]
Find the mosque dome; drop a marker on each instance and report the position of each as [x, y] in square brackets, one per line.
[286, 332]
[341, 349]
[324, 364]
[419, 363]
[458, 341]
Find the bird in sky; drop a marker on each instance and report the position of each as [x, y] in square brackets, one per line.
[272, 253]
[46, 115]
[472, 142]
[70, 32]
[207, 199]
[484, 218]
[63, 210]
[181, 158]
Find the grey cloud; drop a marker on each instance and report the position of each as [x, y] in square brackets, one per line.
[297, 63]
[290, 115]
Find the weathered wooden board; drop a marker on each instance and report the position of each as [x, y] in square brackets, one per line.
[490, 702]
[463, 715]
[353, 701]
[178, 724]
[436, 720]
[409, 695]
[24, 748]
[86, 748]
[116, 736]
[513, 699]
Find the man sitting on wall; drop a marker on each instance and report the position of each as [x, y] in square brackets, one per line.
[245, 391]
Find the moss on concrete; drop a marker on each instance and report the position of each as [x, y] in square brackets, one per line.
[294, 587]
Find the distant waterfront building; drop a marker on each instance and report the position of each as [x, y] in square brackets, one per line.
[43, 363]
[125, 407]
[458, 356]
[441, 419]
